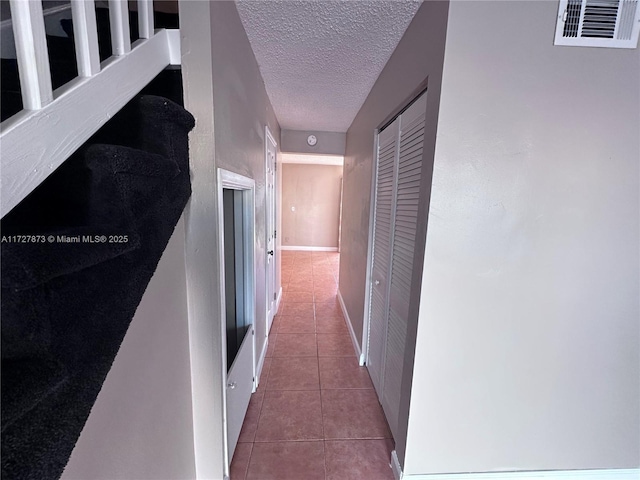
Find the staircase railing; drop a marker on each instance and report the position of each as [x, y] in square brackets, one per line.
[54, 123]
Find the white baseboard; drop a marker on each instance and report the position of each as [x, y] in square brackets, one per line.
[395, 466]
[263, 355]
[278, 300]
[310, 249]
[356, 346]
[611, 474]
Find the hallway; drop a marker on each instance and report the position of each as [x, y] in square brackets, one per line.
[315, 414]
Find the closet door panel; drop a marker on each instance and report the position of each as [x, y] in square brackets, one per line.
[382, 238]
[405, 219]
[394, 360]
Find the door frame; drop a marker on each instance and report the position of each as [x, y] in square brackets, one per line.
[270, 209]
[364, 358]
[234, 181]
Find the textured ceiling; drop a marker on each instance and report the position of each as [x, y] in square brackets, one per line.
[320, 58]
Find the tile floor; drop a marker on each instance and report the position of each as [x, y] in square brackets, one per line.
[315, 414]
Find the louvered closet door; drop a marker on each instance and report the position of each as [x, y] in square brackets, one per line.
[383, 208]
[397, 197]
[405, 215]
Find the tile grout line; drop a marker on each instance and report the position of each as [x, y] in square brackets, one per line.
[315, 330]
[317, 356]
[324, 442]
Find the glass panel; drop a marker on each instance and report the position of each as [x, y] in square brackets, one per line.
[237, 320]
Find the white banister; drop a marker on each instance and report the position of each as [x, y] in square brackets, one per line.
[145, 18]
[85, 33]
[35, 143]
[32, 54]
[119, 21]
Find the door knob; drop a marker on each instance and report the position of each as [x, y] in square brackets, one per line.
[270, 252]
[232, 385]
[377, 282]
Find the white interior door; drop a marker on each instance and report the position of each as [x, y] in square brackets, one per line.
[397, 197]
[236, 203]
[270, 159]
[239, 389]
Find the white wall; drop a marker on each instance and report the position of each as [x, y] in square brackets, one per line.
[201, 243]
[141, 423]
[527, 353]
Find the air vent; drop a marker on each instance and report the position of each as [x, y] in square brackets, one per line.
[598, 23]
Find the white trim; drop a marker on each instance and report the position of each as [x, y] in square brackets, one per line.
[173, 43]
[85, 34]
[278, 299]
[260, 366]
[395, 465]
[611, 474]
[35, 143]
[307, 159]
[145, 18]
[232, 180]
[270, 242]
[309, 249]
[367, 293]
[356, 347]
[270, 136]
[120, 31]
[33, 57]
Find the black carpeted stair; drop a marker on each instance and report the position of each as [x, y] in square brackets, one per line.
[66, 307]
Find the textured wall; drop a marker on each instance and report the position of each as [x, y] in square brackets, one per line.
[223, 73]
[419, 55]
[527, 355]
[241, 111]
[219, 71]
[329, 143]
[314, 192]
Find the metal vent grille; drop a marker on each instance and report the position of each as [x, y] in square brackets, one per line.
[598, 23]
[600, 18]
[572, 23]
[627, 14]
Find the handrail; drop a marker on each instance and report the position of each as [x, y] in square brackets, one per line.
[54, 124]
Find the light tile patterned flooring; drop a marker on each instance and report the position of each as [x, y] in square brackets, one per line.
[315, 414]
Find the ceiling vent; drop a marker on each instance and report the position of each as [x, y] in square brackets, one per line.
[598, 23]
